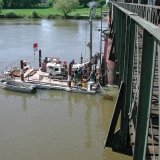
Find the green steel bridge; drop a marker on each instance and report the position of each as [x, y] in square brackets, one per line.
[135, 32]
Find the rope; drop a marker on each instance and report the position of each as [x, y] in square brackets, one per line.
[102, 88]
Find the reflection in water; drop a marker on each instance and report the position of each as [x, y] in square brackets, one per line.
[24, 103]
[54, 121]
[88, 142]
[70, 106]
[18, 95]
[66, 24]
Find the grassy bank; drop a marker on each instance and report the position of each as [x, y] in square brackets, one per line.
[47, 12]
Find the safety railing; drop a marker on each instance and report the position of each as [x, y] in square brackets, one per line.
[137, 50]
[147, 12]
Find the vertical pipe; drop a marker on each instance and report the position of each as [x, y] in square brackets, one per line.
[91, 37]
[40, 58]
[22, 71]
[81, 60]
[69, 75]
[101, 39]
[159, 83]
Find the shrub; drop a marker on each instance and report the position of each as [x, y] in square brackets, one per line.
[10, 14]
[1, 5]
[51, 16]
[34, 14]
[50, 3]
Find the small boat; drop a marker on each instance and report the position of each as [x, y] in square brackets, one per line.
[18, 86]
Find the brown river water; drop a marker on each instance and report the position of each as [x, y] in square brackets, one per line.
[52, 125]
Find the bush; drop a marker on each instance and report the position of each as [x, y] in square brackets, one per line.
[50, 3]
[51, 16]
[1, 5]
[34, 14]
[10, 14]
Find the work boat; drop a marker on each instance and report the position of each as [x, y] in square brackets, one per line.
[56, 72]
[51, 75]
[18, 86]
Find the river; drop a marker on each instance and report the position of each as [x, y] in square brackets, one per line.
[52, 124]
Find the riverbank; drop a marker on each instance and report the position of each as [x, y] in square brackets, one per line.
[50, 13]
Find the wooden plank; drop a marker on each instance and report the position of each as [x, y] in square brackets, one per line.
[151, 158]
[155, 131]
[154, 113]
[155, 140]
[149, 142]
[150, 151]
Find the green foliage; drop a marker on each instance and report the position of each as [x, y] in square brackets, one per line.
[50, 3]
[52, 16]
[85, 2]
[77, 16]
[20, 3]
[10, 14]
[34, 14]
[1, 5]
[44, 12]
[66, 6]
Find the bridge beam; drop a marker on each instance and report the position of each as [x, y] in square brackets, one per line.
[145, 95]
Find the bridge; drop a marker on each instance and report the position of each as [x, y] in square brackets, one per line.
[135, 33]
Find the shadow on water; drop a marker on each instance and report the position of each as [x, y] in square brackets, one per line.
[22, 96]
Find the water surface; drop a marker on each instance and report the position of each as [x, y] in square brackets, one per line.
[52, 124]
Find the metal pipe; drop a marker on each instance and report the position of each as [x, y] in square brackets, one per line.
[101, 39]
[69, 75]
[22, 70]
[159, 83]
[90, 45]
[40, 58]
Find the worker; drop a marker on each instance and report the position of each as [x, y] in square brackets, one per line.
[76, 74]
[80, 73]
[92, 76]
[72, 62]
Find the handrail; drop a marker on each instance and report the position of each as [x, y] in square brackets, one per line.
[136, 53]
[148, 12]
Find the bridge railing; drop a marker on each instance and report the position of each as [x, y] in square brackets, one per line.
[137, 49]
[147, 12]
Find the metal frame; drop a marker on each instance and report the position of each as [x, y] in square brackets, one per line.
[134, 106]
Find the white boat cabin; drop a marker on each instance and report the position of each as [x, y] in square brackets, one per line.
[55, 69]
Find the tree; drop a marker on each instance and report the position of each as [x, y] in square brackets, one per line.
[50, 3]
[1, 5]
[85, 2]
[20, 3]
[66, 6]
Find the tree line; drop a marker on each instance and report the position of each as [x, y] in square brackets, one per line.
[20, 3]
[33, 3]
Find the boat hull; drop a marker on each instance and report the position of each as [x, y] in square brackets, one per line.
[18, 86]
